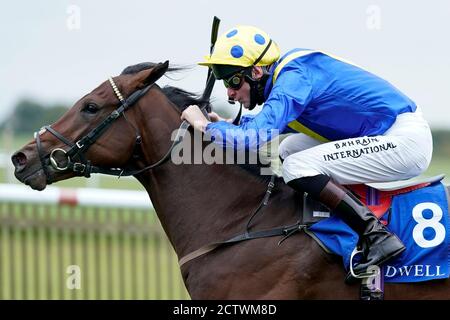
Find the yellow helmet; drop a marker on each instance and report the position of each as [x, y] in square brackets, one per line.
[243, 46]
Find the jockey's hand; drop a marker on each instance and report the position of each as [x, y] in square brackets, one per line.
[195, 117]
[215, 117]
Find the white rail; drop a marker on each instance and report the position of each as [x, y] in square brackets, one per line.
[87, 197]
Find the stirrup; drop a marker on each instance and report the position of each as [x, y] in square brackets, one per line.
[362, 275]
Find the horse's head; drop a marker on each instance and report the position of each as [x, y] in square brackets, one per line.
[82, 137]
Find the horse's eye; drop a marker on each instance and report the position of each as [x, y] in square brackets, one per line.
[90, 108]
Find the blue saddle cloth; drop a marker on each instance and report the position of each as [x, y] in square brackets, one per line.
[420, 219]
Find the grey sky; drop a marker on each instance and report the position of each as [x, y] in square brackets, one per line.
[405, 42]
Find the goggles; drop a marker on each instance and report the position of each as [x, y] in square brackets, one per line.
[234, 82]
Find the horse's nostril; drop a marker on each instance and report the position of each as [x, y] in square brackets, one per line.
[19, 160]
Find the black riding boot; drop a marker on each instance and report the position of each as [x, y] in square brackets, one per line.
[376, 242]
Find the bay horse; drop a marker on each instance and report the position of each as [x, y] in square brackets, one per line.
[197, 204]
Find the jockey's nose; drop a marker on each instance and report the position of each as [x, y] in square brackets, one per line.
[19, 160]
[231, 93]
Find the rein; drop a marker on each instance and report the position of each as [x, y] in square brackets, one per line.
[83, 167]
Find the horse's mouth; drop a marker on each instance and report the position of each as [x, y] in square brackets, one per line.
[36, 180]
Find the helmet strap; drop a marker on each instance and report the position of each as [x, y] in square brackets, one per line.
[257, 88]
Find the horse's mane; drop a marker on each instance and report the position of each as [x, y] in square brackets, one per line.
[182, 99]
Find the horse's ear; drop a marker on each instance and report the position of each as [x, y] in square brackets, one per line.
[156, 72]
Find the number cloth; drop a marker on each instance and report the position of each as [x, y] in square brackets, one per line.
[420, 219]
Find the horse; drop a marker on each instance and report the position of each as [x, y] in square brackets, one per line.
[197, 204]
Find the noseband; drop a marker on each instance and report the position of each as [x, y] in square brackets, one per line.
[77, 150]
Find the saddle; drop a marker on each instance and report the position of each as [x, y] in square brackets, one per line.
[379, 198]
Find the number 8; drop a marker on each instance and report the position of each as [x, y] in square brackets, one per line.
[423, 223]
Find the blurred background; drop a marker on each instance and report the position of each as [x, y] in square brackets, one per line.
[53, 53]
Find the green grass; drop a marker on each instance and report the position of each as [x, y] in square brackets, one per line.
[122, 254]
[15, 142]
[439, 165]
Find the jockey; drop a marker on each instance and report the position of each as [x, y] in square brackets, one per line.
[350, 126]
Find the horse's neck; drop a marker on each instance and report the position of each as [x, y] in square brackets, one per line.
[196, 203]
[199, 204]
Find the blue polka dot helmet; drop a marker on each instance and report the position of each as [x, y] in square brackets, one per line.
[243, 46]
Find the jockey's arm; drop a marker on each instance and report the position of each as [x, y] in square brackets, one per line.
[254, 132]
[287, 100]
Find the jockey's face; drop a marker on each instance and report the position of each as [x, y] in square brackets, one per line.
[242, 95]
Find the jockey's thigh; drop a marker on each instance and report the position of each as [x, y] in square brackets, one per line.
[296, 142]
[402, 152]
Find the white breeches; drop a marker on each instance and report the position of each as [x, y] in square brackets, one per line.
[402, 152]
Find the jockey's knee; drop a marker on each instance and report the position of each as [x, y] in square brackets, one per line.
[420, 166]
[416, 163]
[283, 150]
[295, 166]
